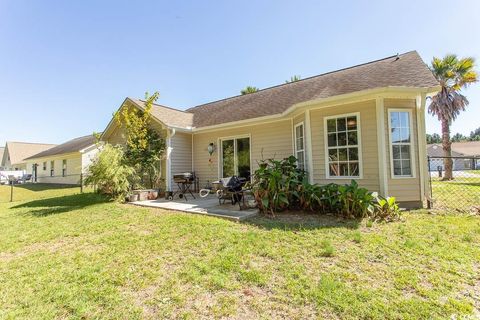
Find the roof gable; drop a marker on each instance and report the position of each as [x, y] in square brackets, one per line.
[169, 116]
[74, 145]
[19, 151]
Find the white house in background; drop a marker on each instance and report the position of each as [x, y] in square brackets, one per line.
[2, 150]
[466, 151]
[63, 164]
[15, 153]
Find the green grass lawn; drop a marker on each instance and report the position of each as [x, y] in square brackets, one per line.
[67, 255]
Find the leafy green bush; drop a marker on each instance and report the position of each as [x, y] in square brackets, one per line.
[280, 185]
[275, 184]
[385, 209]
[109, 172]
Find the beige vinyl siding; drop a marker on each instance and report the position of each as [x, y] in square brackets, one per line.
[74, 168]
[181, 155]
[404, 189]
[273, 140]
[368, 151]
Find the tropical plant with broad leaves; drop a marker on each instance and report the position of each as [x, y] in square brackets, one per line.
[453, 74]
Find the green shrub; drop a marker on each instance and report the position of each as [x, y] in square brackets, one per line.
[276, 184]
[354, 201]
[109, 172]
[280, 185]
[385, 209]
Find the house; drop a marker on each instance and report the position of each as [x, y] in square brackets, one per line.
[365, 122]
[64, 163]
[468, 153]
[2, 151]
[15, 154]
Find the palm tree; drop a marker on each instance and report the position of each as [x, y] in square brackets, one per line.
[294, 78]
[248, 90]
[454, 74]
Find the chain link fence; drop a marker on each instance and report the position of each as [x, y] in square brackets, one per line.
[462, 192]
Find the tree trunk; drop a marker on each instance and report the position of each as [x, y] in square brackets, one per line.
[447, 150]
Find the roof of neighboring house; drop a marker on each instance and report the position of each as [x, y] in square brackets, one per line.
[20, 151]
[169, 116]
[404, 70]
[74, 145]
[467, 148]
[459, 149]
[436, 150]
[2, 150]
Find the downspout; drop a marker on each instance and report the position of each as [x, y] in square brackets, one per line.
[170, 133]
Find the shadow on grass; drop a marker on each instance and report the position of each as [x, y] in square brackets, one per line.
[49, 206]
[37, 187]
[298, 221]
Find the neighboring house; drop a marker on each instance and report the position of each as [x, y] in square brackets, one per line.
[364, 122]
[2, 150]
[64, 163]
[15, 154]
[468, 151]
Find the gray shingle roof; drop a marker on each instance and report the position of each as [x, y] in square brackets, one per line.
[404, 70]
[73, 145]
[459, 149]
[408, 70]
[169, 116]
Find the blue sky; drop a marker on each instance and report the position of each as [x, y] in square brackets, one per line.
[65, 66]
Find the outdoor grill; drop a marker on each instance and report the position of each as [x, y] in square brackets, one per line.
[184, 182]
[185, 177]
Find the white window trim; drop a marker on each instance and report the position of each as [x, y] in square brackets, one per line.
[359, 145]
[220, 153]
[412, 144]
[295, 144]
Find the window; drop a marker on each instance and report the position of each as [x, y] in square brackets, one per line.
[64, 168]
[52, 168]
[45, 166]
[343, 146]
[400, 129]
[300, 145]
[235, 159]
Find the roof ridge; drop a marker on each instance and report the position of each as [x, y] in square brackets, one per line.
[53, 144]
[308, 78]
[166, 107]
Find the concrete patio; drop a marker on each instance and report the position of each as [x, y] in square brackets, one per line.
[207, 206]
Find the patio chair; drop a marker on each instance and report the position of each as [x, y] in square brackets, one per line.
[232, 189]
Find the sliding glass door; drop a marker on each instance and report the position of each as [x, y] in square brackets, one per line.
[236, 157]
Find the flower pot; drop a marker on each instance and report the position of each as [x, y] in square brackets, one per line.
[152, 194]
[133, 197]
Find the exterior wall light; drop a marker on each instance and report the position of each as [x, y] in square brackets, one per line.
[211, 148]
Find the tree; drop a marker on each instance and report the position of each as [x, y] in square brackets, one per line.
[109, 172]
[458, 137]
[248, 90]
[144, 146]
[433, 138]
[475, 135]
[453, 74]
[294, 78]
